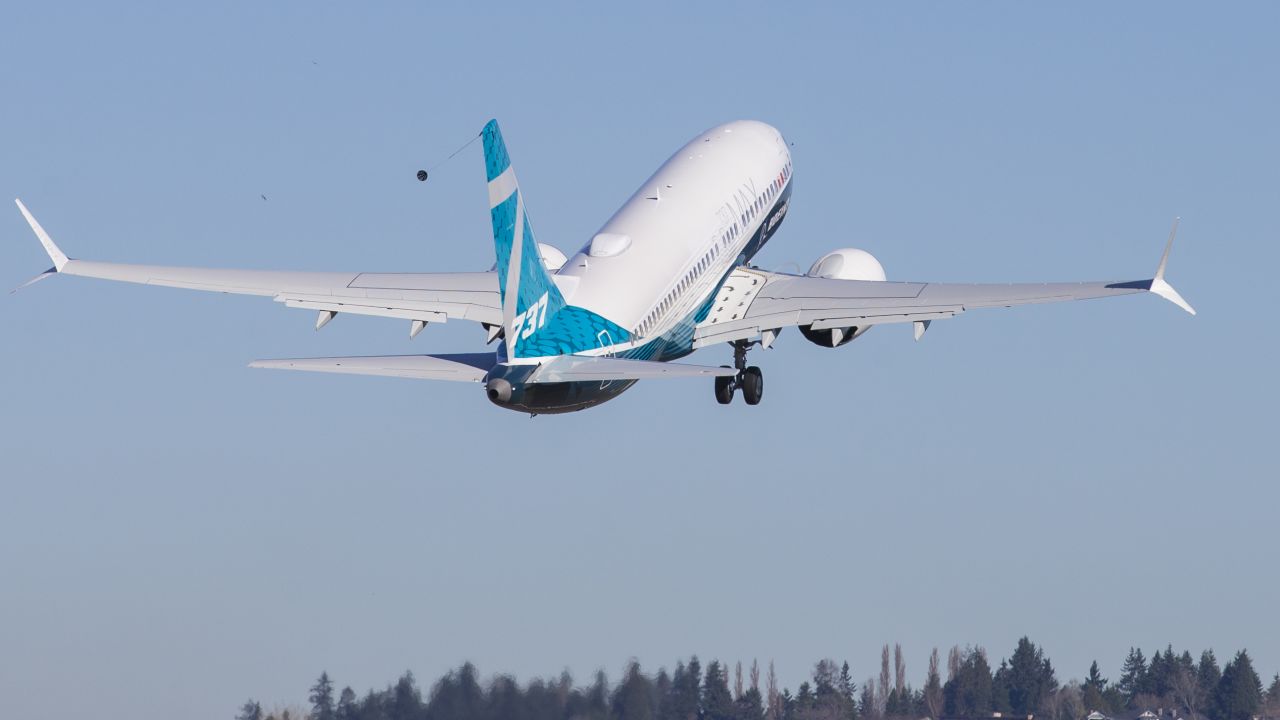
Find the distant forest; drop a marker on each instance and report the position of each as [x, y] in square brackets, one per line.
[1170, 685]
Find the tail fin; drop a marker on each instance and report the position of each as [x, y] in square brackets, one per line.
[535, 317]
[529, 297]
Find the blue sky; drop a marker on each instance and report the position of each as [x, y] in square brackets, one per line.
[178, 532]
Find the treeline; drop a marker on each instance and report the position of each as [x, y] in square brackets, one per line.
[1171, 685]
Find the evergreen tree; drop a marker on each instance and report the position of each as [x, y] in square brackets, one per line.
[250, 711]
[970, 692]
[634, 697]
[804, 702]
[1162, 673]
[1133, 676]
[1029, 679]
[1091, 691]
[1271, 704]
[867, 700]
[321, 698]
[347, 708]
[1000, 689]
[848, 689]
[686, 692]
[717, 702]
[406, 699]
[597, 700]
[1094, 679]
[1208, 673]
[456, 695]
[750, 705]
[503, 698]
[1239, 692]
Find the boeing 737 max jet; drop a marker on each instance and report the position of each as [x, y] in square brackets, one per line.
[666, 275]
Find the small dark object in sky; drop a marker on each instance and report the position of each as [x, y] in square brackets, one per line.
[264, 197]
[422, 176]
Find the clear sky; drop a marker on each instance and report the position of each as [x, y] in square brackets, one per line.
[179, 532]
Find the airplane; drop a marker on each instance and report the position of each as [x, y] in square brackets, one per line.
[669, 273]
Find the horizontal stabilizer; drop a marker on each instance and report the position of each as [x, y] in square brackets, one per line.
[462, 367]
[578, 368]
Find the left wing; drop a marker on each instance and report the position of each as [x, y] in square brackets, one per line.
[460, 367]
[418, 297]
[754, 304]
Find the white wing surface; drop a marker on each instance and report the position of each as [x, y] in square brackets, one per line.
[462, 367]
[753, 304]
[577, 368]
[420, 297]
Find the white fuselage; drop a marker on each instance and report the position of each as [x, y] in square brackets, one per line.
[703, 213]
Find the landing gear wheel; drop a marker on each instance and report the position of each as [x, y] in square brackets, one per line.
[724, 390]
[752, 385]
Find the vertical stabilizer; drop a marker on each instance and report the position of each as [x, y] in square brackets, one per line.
[529, 297]
[535, 317]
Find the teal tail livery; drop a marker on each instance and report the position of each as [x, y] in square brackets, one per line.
[537, 320]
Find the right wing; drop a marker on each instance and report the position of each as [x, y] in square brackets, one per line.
[472, 367]
[419, 297]
[755, 305]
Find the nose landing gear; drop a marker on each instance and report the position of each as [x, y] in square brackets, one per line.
[750, 379]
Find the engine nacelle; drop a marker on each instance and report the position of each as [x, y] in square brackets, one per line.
[842, 264]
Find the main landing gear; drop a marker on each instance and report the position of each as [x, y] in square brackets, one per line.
[750, 379]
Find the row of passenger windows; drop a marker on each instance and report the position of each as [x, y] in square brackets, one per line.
[685, 283]
[696, 271]
[768, 195]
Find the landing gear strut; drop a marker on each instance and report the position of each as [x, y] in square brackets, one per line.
[750, 379]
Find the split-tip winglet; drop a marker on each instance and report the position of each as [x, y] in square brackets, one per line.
[59, 258]
[1158, 284]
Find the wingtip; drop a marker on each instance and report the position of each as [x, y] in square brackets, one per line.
[1166, 291]
[1159, 285]
[58, 257]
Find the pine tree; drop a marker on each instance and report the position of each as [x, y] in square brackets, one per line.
[250, 711]
[848, 689]
[717, 702]
[347, 708]
[867, 700]
[970, 692]
[1133, 676]
[632, 700]
[1208, 672]
[1271, 704]
[406, 700]
[1000, 689]
[1161, 673]
[685, 698]
[1239, 693]
[321, 698]
[1091, 692]
[1029, 681]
